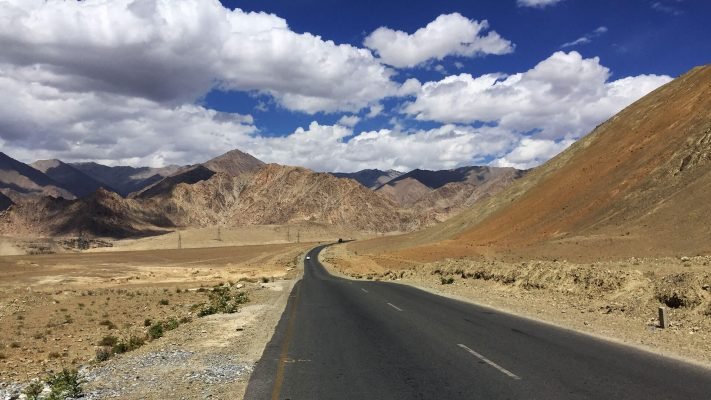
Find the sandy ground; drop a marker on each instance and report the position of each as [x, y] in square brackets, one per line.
[55, 308]
[617, 300]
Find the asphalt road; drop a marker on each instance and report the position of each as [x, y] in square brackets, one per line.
[343, 339]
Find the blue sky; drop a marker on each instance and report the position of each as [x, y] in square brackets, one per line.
[642, 37]
[331, 85]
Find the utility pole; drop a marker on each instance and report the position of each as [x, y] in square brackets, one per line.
[219, 235]
[298, 236]
[288, 235]
[180, 241]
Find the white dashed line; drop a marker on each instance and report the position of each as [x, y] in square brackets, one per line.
[491, 363]
[394, 306]
[364, 290]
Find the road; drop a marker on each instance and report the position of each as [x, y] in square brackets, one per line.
[344, 339]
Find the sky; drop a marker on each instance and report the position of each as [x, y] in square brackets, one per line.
[331, 85]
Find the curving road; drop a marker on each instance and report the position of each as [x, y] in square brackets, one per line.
[343, 339]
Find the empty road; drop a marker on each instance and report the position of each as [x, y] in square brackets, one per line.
[343, 339]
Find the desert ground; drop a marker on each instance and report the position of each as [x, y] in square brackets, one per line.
[56, 309]
[615, 298]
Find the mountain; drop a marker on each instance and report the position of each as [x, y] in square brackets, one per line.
[19, 181]
[273, 194]
[77, 182]
[5, 202]
[232, 163]
[124, 179]
[370, 178]
[407, 189]
[637, 185]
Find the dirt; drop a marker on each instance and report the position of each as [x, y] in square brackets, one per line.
[617, 300]
[54, 309]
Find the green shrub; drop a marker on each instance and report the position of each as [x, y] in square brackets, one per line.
[156, 331]
[223, 302]
[65, 384]
[171, 324]
[33, 390]
[110, 325]
[147, 322]
[164, 302]
[185, 320]
[103, 353]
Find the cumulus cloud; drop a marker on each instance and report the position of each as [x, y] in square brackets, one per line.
[43, 121]
[448, 35]
[530, 152]
[339, 149]
[564, 96]
[537, 3]
[174, 52]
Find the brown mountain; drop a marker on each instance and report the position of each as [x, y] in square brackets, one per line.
[19, 181]
[124, 179]
[444, 189]
[232, 163]
[75, 181]
[370, 178]
[639, 184]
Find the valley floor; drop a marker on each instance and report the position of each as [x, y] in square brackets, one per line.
[56, 309]
[617, 300]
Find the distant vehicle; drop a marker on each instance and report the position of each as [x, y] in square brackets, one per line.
[340, 240]
[308, 257]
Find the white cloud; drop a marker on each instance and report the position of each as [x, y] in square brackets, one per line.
[537, 3]
[374, 111]
[564, 96]
[175, 52]
[45, 122]
[530, 152]
[349, 120]
[587, 38]
[448, 35]
[338, 149]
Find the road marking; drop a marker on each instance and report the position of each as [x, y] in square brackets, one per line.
[364, 290]
[283, 357]
[491, 363]
[394, 306]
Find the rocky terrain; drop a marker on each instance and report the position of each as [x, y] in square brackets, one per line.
[124, 179]
[19, 181]
[70, 178]
[370, 178]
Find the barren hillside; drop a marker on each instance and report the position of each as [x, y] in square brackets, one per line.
[19, 180]
[638, 184]
[75, 181]
[126, 180]
[370, 178]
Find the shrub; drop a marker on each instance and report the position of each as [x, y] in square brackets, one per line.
[110, 325]
[65, 384]
[223, 302]
[164, 302]
[185, 320]
[54, 354]
[108, 341]
[447, 281]
[147, 322]
[15, 345]
[33, 390]
[156, 331]
[265, 279]
[2, 356]
[171, 324]
[103, 353]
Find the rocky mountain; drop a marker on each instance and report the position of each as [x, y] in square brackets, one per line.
[370, 178]
[428, 187]
[18, 181]
[232, 163]
[75, 181]
[124, 179]
[273, 194]
[637, 185]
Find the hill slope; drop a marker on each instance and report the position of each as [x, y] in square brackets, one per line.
[18, 180]
[370, 178]
[5, 202]
[125, 180]
[77, 182]
[639, 184]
